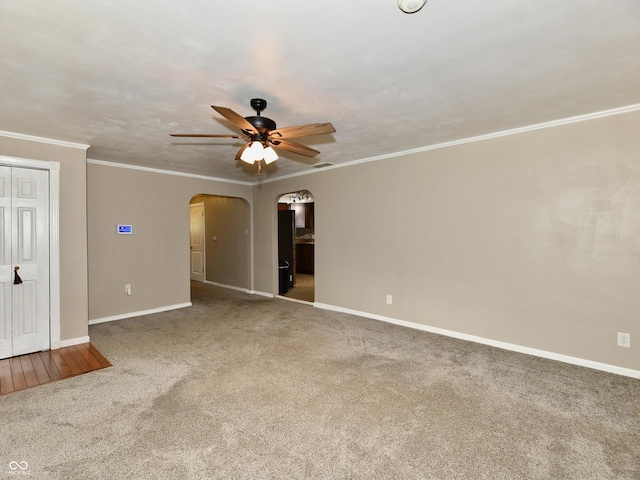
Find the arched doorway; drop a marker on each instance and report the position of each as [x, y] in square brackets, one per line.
[222, 237]
[296, 245]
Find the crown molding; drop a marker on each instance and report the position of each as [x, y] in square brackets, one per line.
[437, 146]
[50, 141]
[166, 172]
[479, 138]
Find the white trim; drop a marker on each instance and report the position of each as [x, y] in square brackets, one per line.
[72, 341]
[204, 241]
[54, 254]
[54, 237]
[241, 289]
[627, 372]
[261, 294]
[50, 141]
[166, 172]
[437, 146]
[28, 163]
[140, 313]
[230, 287]
[479, 138]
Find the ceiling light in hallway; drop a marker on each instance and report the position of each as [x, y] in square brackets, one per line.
[411, 6]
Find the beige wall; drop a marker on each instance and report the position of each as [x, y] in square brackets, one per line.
[73, 227]
[227, 242]
[531, 239]
[155, 259]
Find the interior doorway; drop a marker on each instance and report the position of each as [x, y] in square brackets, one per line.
[296, 245]
[197, 241]
[219, 231]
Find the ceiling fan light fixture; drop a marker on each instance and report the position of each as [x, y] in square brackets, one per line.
[270, 155]
[256, 150]
[253, 153]
[411, 6]
[261, 132]
[245, 157]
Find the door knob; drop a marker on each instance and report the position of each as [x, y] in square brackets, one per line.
[16, 278]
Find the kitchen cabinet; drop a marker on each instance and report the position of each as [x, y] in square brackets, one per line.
[308, 215]
[304, 258]
[304, 214]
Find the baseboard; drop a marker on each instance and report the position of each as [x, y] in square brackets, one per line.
[71, 341]
[627, 372]
[240, 289]
[139, 314]
[262, 294]
[230, 287]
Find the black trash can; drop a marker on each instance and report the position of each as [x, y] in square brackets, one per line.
[283, 277]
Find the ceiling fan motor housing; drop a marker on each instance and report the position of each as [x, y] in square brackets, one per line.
[261, 123]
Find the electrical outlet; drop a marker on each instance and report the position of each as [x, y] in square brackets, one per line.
[624, 339]
[127, 288]
[389, 299]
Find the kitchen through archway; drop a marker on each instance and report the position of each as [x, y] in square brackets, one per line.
[296, 246]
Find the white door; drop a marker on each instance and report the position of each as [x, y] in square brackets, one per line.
[24, 243]
[196, 230]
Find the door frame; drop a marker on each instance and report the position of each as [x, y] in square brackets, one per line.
[54, 237]
[276, 247]
[204, 241]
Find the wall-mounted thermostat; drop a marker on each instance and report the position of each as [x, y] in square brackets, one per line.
[125, 229]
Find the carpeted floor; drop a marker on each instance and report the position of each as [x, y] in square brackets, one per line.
[246, 387]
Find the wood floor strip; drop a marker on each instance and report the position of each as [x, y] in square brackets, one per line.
[103, 361]
[62, 366]
[71, 362]
[29, 372]
[26, 371]
[50, 365]
[38, 366]
[82, 362]
[6, 380]
[89, 357]
[19, 382]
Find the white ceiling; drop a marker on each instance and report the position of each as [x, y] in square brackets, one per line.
[121, 76]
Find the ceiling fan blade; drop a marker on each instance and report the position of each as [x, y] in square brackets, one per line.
[294, 147]
[303, 130]
[242, 150]
[206, 135]
[236, 119]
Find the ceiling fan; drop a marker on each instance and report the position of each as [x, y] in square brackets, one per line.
[261, 135]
